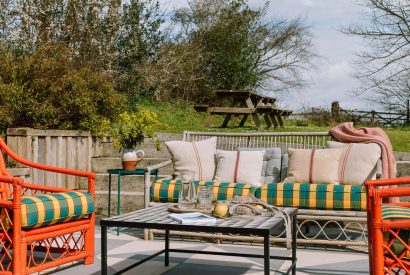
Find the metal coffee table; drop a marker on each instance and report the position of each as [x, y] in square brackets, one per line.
[157, 218]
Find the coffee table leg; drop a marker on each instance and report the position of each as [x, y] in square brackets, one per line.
[103, 250]
[118, 199]
[166, 247]
[294, 234]
[109, 195]
[266, 253]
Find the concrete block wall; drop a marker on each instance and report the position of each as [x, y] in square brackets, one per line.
[403, 163]
[132, 187]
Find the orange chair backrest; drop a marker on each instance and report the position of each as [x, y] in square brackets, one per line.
[4, 187]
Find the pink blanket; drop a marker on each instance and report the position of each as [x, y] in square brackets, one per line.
[345, 132]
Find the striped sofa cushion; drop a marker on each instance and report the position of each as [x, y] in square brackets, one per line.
[168, 190]
[48, 209]
[393, 212]
[314, 196]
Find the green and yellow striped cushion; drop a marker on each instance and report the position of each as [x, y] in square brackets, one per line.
[48, 209]
[168, 190]
[314, 196]
[393, 212]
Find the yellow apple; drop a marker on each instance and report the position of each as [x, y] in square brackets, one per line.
[221, 210]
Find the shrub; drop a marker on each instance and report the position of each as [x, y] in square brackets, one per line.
[131, 129]
[47, 89]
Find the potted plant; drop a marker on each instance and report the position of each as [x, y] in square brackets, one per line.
[129, 131]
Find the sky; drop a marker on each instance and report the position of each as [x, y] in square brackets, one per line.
[332, 79]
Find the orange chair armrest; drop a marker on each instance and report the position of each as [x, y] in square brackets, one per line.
[387, 182]
[32, 186]
[6, 204]
[59, 170]
[8, 179]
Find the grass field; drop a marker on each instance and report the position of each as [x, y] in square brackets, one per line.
[177, 117]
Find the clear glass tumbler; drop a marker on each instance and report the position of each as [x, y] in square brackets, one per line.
[205, 196]
[187, 194]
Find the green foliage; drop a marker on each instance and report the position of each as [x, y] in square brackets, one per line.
[46, 90]
[131, 129]
[114, 37]
[230, 45]
[137, 43]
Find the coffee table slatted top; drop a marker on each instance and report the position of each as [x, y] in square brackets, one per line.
[157, 218]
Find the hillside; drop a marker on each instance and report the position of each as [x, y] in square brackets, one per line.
[177, 117]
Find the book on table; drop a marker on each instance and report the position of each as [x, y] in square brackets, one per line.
[193, 218]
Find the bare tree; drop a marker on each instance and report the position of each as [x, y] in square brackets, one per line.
[232, 45]
[384, 68]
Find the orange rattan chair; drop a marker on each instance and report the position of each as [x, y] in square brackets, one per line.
[385, 234]
[24, 251]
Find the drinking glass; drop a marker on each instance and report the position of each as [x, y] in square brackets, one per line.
[187, 193]
[205, 196]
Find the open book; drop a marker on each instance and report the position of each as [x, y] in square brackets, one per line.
[193, 218]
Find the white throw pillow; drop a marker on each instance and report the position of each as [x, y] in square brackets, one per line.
[194, 157]
[358, 162]
[313, 165]
[239, 166]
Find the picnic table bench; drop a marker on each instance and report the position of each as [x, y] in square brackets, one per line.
[247, 104]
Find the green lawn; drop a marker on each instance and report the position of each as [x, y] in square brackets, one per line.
[177, 117]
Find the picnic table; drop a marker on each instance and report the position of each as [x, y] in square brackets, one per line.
[230, 103]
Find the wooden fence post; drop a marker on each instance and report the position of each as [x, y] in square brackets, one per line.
[335, 110]
[373, 116]
[408, 112]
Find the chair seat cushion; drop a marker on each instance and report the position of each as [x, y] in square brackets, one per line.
[48, 209]
[314, 196]
[394, 212]
[168, 190]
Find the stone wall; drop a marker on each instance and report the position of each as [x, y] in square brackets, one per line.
[132, 187]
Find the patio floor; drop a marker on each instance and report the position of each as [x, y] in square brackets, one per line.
[129, 248]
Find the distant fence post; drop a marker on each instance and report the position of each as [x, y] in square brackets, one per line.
[335, 110]
[373, 116]
[408, 112]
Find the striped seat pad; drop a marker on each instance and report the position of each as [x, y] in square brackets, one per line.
[168, 190]
[393, 212]
[314, 196]
[48, 209]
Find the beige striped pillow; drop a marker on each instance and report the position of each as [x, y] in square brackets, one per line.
[358, 161]
[194, 157]
[313, 165]
[239, 167]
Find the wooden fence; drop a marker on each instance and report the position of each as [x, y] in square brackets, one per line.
[372, 117]
[69, 149]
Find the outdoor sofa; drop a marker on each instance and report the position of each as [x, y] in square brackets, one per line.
[328, 214]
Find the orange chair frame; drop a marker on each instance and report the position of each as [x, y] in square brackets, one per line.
[381, 258]
[55, 244]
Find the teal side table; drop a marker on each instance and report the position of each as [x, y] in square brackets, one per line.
[120, 173]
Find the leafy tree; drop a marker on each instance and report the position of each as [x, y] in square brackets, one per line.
[233, 46]
[46, 90]
[138, 43]
[384, 67]
[114, 37]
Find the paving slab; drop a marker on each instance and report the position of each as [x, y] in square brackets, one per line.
[129, 247]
